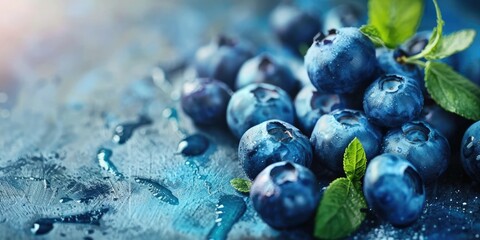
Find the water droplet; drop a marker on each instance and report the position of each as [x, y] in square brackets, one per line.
[45, 225]
[159, 191]
[229, 210]
[103, 157]
[193, 145]
[124, 131]
[65, 200]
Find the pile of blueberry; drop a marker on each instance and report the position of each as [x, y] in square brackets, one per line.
[294, 124]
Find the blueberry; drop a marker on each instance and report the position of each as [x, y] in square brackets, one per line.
[393, 100]
[293, 27]
[334, 131]
[285, 195]
[349, 14]
[221, 59]
[264, 69]
[470, 151]
[273, 141]
[310, 105]
[257, 103]
[205, 100]
[394, 189]
[389, 63]
[422, 145]
[341, 62]
[417, 43]
[445, 122]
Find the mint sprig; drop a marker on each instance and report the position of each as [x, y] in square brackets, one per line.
[395, 20]
[340, 211]
[451, 44]
[435, 39]
[449, 89]
[242, 185]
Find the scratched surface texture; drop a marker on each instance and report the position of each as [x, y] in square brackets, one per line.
[74, 70]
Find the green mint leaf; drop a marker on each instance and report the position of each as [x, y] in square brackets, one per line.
[435, 39]
[451, 44]
[339, 213]
[354, 161]
[372, 33]
[452, 91]
[395, 20]
[242, 185]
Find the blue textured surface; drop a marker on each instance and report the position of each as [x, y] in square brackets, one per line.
[86, 66]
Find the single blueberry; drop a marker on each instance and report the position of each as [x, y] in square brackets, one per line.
[222, 59]
[265, 69]
[394, 189]
[257, 103]
[334, 131]
[205, 100]
[445, 122]
[341, 62]
[285, 195]
[349, 14]
[422, 145]
[294, 27]
[273, 141]
[310, 105]
[470, 151]
[417, 43]
[393, 100]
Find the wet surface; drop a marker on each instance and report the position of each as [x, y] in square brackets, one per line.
[88, 68]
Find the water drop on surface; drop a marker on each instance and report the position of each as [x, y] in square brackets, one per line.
[65, 200]
[123, 132]
[193, 145]
[229, 210]
[159, 191]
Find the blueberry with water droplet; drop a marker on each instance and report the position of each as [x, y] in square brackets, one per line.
[310, 105]
[394, 189]
[257, 103]
[193, 145]
[470, 151]
[205, 100]
[422, 145]
[285, 195]
[342, 61]
[393, 100]
[334, 131]
[273, 141]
